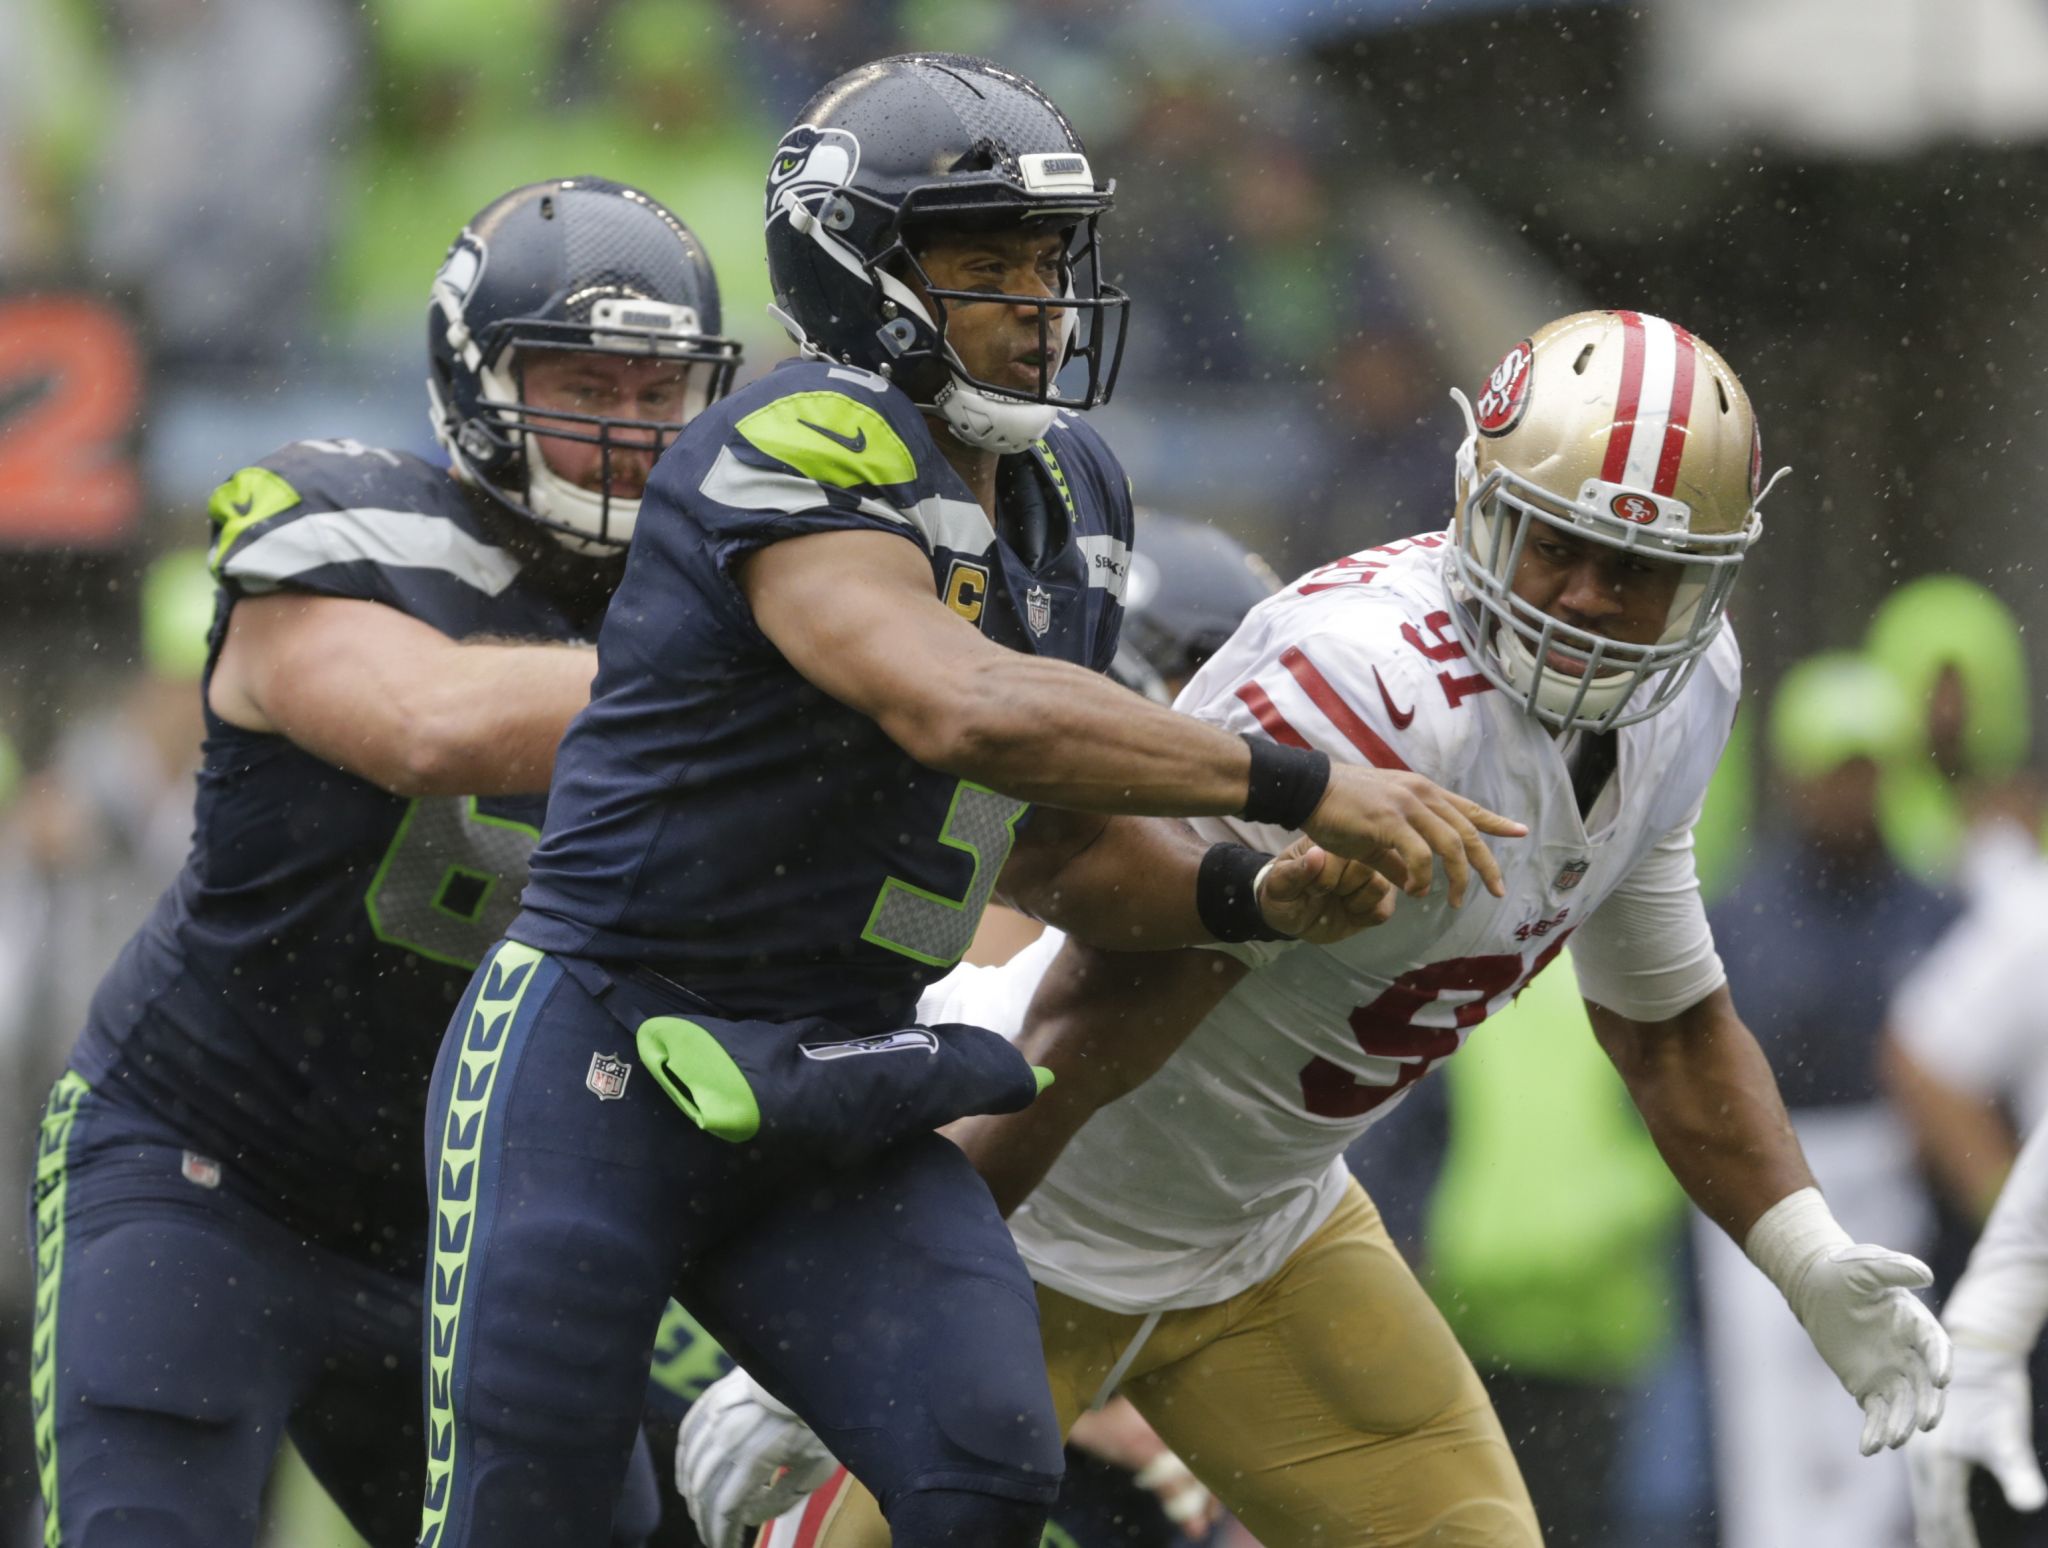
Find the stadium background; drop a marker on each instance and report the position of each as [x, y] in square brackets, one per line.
[218, 217]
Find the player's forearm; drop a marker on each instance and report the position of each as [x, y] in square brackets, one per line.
[1103, 1024]
[1127, 885]
[490, 723]
[1964, 1140]
[2002, 1299]
[1711, 1104]
[1053, 733]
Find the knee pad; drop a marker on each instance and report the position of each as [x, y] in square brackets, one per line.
[961, 1518]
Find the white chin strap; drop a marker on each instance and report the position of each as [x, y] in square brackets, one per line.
[554, 498]
[982, 419]
[1557, 693]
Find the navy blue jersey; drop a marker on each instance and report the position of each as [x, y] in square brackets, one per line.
[716, 816]
[283, 1004]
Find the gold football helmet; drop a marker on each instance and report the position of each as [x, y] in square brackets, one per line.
[1623, 429]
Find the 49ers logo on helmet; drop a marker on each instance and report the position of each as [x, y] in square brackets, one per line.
[1633, 507]
[1499, 408]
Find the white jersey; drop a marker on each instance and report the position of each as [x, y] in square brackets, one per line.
[1201, 1183]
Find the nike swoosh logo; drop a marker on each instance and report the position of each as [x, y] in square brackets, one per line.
[853, 443]
[242, 507]
[1400, 718]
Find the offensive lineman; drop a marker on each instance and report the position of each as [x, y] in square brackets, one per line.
[1200, 1244]
[230, 1213]
[852, 644]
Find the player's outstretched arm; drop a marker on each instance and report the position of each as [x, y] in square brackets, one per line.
[1150, 883]
[1995, 1315]
[396, 701]
[1710, 1102]
[1102, 1022]
[854, 613]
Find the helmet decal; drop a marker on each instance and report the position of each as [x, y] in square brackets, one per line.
[810, 161]
[1500, 406]
[1647, 442]
[1633, 507]
[463, 266]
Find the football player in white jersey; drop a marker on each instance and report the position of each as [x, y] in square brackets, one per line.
[1198, 1244]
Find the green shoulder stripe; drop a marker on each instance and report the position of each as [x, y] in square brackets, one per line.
[252, 495]
[832, 438]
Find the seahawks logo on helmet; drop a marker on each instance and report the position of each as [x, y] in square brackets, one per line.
[810, 161]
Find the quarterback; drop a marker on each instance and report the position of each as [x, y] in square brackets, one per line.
[1199, 1244]
[860, 634]
[230, 1205]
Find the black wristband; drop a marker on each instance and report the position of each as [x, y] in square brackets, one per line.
[1287, 783]
[1226, 894]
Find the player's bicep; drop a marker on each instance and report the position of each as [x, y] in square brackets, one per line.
[330, 673]
[855, 613]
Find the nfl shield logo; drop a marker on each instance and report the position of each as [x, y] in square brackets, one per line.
[1038, 609]
[608, 1076]
[1569, 876]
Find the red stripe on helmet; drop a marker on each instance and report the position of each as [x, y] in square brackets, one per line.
[1682, 368]
[1629, 402]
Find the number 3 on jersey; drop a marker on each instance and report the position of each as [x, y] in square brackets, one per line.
[936, 930]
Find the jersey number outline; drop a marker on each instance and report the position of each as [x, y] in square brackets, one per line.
[1386, 1028]
[918, 923]
[449, 882]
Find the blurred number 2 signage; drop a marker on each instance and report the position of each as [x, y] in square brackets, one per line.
[70, 390]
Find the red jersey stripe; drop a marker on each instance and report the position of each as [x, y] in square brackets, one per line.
[1261, 704]
[819, 1510]
[1341, 715]
[1629, 402]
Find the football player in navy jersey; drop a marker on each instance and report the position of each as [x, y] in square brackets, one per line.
[860, 637]
[230, 1203]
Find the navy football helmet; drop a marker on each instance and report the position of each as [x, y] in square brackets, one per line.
[573, 264]
[938, 140]
[1188, 589]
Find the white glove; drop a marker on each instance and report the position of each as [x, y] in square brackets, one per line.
[1855, 1301]
[1989, 1425]
[743, 1458]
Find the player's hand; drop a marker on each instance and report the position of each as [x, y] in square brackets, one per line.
[742, 1458]
[1989, 1424]
[1399, 824]
[1857, 1305]
[1318, 897]
[1118, 1434]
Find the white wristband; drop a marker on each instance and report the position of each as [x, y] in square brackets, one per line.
[1789, 1236]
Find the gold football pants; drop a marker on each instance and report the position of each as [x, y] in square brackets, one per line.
[1328, 1406]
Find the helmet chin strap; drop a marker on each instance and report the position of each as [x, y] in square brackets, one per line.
[985, 420]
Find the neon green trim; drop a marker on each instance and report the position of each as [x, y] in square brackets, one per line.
[1059, 477]
[1043, 1076]
[965, 909]
[373, 897]
[700, 1077]
[509, 974]
[1057, 1536]
[686, 1358]
[831, 438]
[53, 1159]
[252, 495]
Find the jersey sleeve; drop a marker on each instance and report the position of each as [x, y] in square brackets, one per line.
[827, 453]
[1647, 952]
[1359, 693]
[338, 519]
[1967, 1011]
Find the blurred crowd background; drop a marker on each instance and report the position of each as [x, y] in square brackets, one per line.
[218, 219]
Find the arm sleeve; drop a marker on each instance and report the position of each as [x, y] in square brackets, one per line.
[2002, 1298]
[1647, 952]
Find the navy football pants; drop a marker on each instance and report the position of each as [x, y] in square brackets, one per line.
[884, 1301]
[181, 1332]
